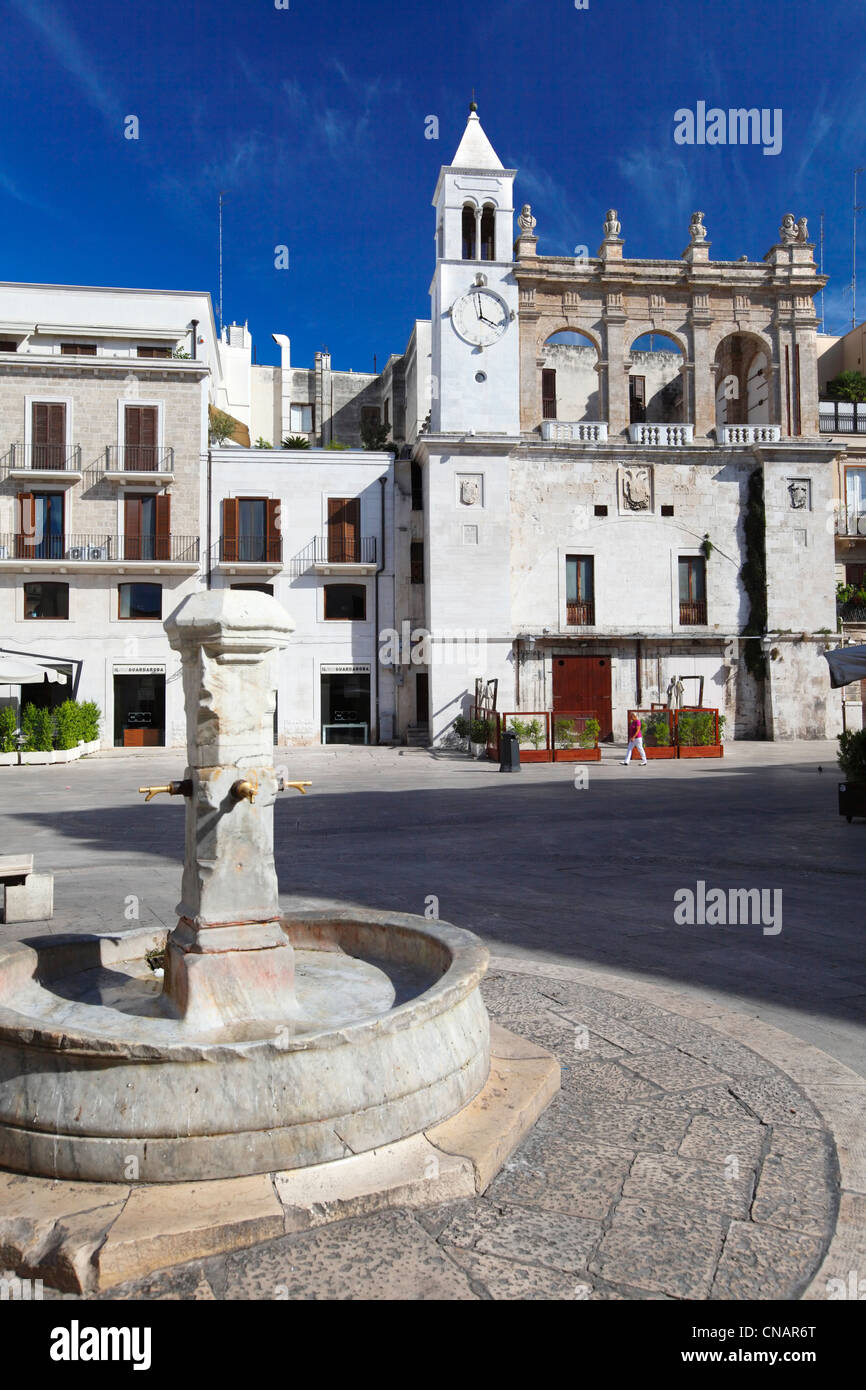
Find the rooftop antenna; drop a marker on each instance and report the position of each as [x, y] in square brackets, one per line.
[220, 305]
[856, 209]
[823, 325]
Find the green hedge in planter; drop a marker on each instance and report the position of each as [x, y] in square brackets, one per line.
[657, 732]
[91, 716]
[37, 726]
[8, 730]
[68, 723]
[852, 754]
[696, 729]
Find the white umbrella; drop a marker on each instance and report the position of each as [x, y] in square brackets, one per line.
[846, 664]
[18, 670]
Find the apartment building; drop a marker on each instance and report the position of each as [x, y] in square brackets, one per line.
[103, 428]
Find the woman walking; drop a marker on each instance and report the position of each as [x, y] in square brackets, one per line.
[635, 740]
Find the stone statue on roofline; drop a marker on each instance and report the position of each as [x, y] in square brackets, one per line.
[526, 222]
[788, 230]
[697, 230]
[802, 230]
[611, 225]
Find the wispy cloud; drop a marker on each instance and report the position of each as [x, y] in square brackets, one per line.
[9, 187]
[51, 23]
[650, 170]
[560, 223]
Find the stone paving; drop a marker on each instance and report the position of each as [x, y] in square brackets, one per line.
[674, 1164]
[686, 1157]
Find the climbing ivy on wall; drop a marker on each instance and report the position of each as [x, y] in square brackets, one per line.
[754, 574]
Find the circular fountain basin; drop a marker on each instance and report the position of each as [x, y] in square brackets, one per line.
[388, 1035]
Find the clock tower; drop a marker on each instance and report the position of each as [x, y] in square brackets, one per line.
[475, 350]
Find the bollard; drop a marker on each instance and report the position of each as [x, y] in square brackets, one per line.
[509, 751]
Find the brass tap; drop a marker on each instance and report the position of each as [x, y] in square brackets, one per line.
[183, 788]
[245, 789]
[298, 786]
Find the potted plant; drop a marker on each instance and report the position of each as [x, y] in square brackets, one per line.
[851, 758]
[8, 730]
[657, 740]
[698, 734]
[68, 736]
[479, 734]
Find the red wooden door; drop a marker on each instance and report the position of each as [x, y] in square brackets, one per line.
[583, 683]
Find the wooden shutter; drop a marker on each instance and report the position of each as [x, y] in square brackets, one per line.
[344, 530]
[141, 433]
[335, 527]
[132, 528]
[274, 538]
[162, 547]
[49, 434]
[548, 394]
[25, 548]
[230, 529]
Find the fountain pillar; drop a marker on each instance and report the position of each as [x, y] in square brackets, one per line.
[229, 960]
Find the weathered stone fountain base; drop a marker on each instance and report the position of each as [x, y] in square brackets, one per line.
[387, 1035]
[87, 1237]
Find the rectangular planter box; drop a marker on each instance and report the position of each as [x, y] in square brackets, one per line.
[701, 750]
[8, 759]
[66, 755]
[37, 759]
[535, 755]
[852, 799]
[668, 751]
[576, 755]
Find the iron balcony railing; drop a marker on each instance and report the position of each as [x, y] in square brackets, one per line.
[139, 458]
[842, 417]
[693, 613]
[60, 458]
[851, 612]
[344, 550]
[580, 614]
[97, 547]
[251, 550]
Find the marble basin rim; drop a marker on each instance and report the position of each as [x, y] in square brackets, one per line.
[80, 1104]
[307, 930]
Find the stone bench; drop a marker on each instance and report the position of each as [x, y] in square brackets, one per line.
[29, 896]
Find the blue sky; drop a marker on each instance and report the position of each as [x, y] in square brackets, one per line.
[312, 120]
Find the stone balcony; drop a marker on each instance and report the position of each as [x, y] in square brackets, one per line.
[661, 436]
[749, 434]
[574, 431]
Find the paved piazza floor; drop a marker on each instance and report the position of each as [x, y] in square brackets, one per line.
[707, 1142]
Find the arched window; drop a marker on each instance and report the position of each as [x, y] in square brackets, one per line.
[569, 378]
[468, 232]
[488, 233]
[655, 385]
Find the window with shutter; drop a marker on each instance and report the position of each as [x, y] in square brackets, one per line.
[344, 530]
[48, 446]
[274, 536]
[141, 427]
[637, 399]
[548, 394]
[162, 526]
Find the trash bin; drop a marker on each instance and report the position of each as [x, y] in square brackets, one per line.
[509, 751]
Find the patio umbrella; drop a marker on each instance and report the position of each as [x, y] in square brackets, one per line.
[846, 664]
[18, 670]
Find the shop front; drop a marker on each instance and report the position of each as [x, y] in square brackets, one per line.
[139, 706]
[345, 702]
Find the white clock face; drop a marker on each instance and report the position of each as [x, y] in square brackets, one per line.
[480, 316]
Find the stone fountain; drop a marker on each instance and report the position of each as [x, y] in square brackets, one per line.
[267, 1042]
